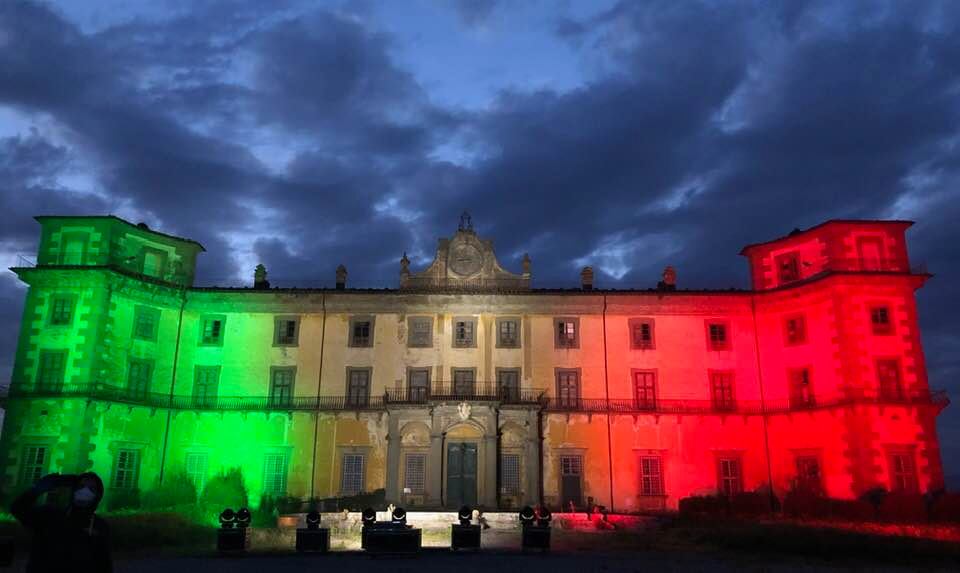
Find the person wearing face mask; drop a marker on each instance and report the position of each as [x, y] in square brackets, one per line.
[66, 539]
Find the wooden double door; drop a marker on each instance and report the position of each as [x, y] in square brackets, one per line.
[461, 474]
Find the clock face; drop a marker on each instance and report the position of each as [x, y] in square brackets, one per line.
[465, 259]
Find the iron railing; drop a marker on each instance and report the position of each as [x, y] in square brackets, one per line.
[479, 392]
[462, 392]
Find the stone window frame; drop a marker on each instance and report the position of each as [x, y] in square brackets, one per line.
[519, 322]
[354, 320]
[65, 237]
[277, 320]
[797, 398]
[408, 389]
[473, 372]
[564, 402]
[808, 454]
[347, 395]
[204, 319]
[883, 389]
[364, 454]
[512, 369]
[877, 328]
[792, 256]
[722, 405]
[284, 476]
[801, 319]
[163, 255]
[151, 365]
[729, 455]
[140, 311]
[41, 370]
[661, 489]
[71, 300]
[424, 455]
[711, 344]
[198, 478]
[632, 323]
[637, 402]
[134, 482]
[277, 400]
[411, 340]
[518, 455]
[453, 335]
[47, 443]
[557, 320]
[891, 451]
[198, 400]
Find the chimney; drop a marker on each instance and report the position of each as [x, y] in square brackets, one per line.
[526, 265]
[586, 278]
[669, 281]
[341, 277]
[260, 277]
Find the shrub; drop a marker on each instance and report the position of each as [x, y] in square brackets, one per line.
[851, 510]
[750, 503]
[946, 508]
[226, 490]
[904, 507]
[118, 499]
[176, 491]
[704, 506]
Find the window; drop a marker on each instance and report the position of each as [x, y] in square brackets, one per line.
[145, 321]
[126, 469]
[281, 385]
[33, 464]
[721, 391]
[421, 332]
[351, 474]
[718, 336]
[568, 388]
[870, 250]
[153, 262]
[508, 384]
[651, 475]
[211, 330]
[139, 376]
[74, 250]
[730, 475]
[464, 382]
[508, 333]
[795, 329]
[206, 380]
[61, 310]
[464, 332]
[195, 466]
[888, 379]
[801, 390]
[808, 474]
[414, 473]
[788, 267]
[285, 331]
[641, 333]
[567, 332]
[880, 320]
[358, 387]
[418, 384]
[510, 474]
[275, 474]
[903, 474]
[50, 371]
[361, 332]
[645, 389]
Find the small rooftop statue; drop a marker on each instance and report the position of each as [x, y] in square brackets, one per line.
[669, 281]
[341, 277]
[466, 222]
[526, 265]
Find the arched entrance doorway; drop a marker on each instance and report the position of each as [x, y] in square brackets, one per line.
[462, 467]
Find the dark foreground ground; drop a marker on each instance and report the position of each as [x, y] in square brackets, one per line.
[436, 560]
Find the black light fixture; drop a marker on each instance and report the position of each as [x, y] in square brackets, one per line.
[227, 518]
[527, 516]
[369, 516]
[543, 517]
[399, 516]
[313, 520]
[243, 518]
[465, 515]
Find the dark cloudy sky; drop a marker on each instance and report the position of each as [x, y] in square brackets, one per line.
[626, 135]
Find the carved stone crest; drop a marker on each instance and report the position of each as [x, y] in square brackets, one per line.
[463, 410]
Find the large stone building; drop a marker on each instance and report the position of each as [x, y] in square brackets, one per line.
[466, 385]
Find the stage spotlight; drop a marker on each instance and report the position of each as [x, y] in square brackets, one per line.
[243, 517]
[399, 516]
[465, 515]
[526, 516]
[313, 520]
[227, 518]
[543, 517]
[369, 516]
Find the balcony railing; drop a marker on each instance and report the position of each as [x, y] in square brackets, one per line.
[462, 392]
[478, 392]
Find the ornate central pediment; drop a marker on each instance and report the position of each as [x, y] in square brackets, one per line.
[464, 262]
